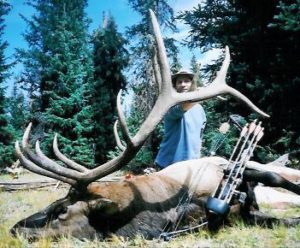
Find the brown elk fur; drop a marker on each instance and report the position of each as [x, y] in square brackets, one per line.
[146, 205]
[142, 205]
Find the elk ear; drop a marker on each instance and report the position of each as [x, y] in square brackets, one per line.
[106, 206]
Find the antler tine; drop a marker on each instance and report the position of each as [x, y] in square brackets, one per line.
[218, 87]
[221, 74]
[25, 139]
[66, 160]
[122, 119]
[238, 95]
[117, 138]
[156, 70]
[36, 169]
[44, 162]
[54, 167]
[162, 56]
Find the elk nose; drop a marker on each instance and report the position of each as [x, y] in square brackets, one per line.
[33, 221]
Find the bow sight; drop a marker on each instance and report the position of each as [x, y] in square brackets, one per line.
[218, 205]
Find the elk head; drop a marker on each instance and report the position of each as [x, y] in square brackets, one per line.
[91, 208]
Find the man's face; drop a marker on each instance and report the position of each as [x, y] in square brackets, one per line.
[183, 84]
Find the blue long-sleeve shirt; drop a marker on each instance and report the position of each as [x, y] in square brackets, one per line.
[182, 138]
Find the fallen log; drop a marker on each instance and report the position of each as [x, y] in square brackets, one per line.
[25, 185]
[12, 186]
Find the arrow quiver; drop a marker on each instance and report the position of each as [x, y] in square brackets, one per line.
[218, 205]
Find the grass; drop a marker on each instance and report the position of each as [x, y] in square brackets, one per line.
[17, 205]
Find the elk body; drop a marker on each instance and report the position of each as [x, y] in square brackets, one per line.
[145, 205]
[142, 205]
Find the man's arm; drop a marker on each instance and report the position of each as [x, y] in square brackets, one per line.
[177, 111]
[187, 105]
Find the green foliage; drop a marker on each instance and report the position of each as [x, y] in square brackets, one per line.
[195, 68]
[214, 141]
[110, 59]
[7, 152]
[142, 48]
[6, 130]
[142, 160]
[173, 51]
[145, 157]
[288, 17]
[264, 66]
[18, 110]
[58, 75]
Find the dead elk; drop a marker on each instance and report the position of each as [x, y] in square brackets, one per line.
[143, 205]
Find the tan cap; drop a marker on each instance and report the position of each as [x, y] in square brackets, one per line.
[182, 73]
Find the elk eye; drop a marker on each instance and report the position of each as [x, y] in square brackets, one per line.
[63, 216]
[64, 210]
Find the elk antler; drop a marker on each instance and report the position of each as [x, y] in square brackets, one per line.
[78, 175]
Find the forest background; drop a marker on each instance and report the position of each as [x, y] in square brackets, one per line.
[70, 75]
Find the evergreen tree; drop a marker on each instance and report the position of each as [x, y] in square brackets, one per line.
[144, 85]
[195, 68]
[58, 74]
[142, 48]
[263, 41]
[6, 132]
[18, 110]
[288, 17]
[110, 58]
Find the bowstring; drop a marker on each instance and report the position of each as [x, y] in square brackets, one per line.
[185, 199]
[190, 193]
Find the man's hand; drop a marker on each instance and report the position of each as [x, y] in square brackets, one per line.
[187, 105]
